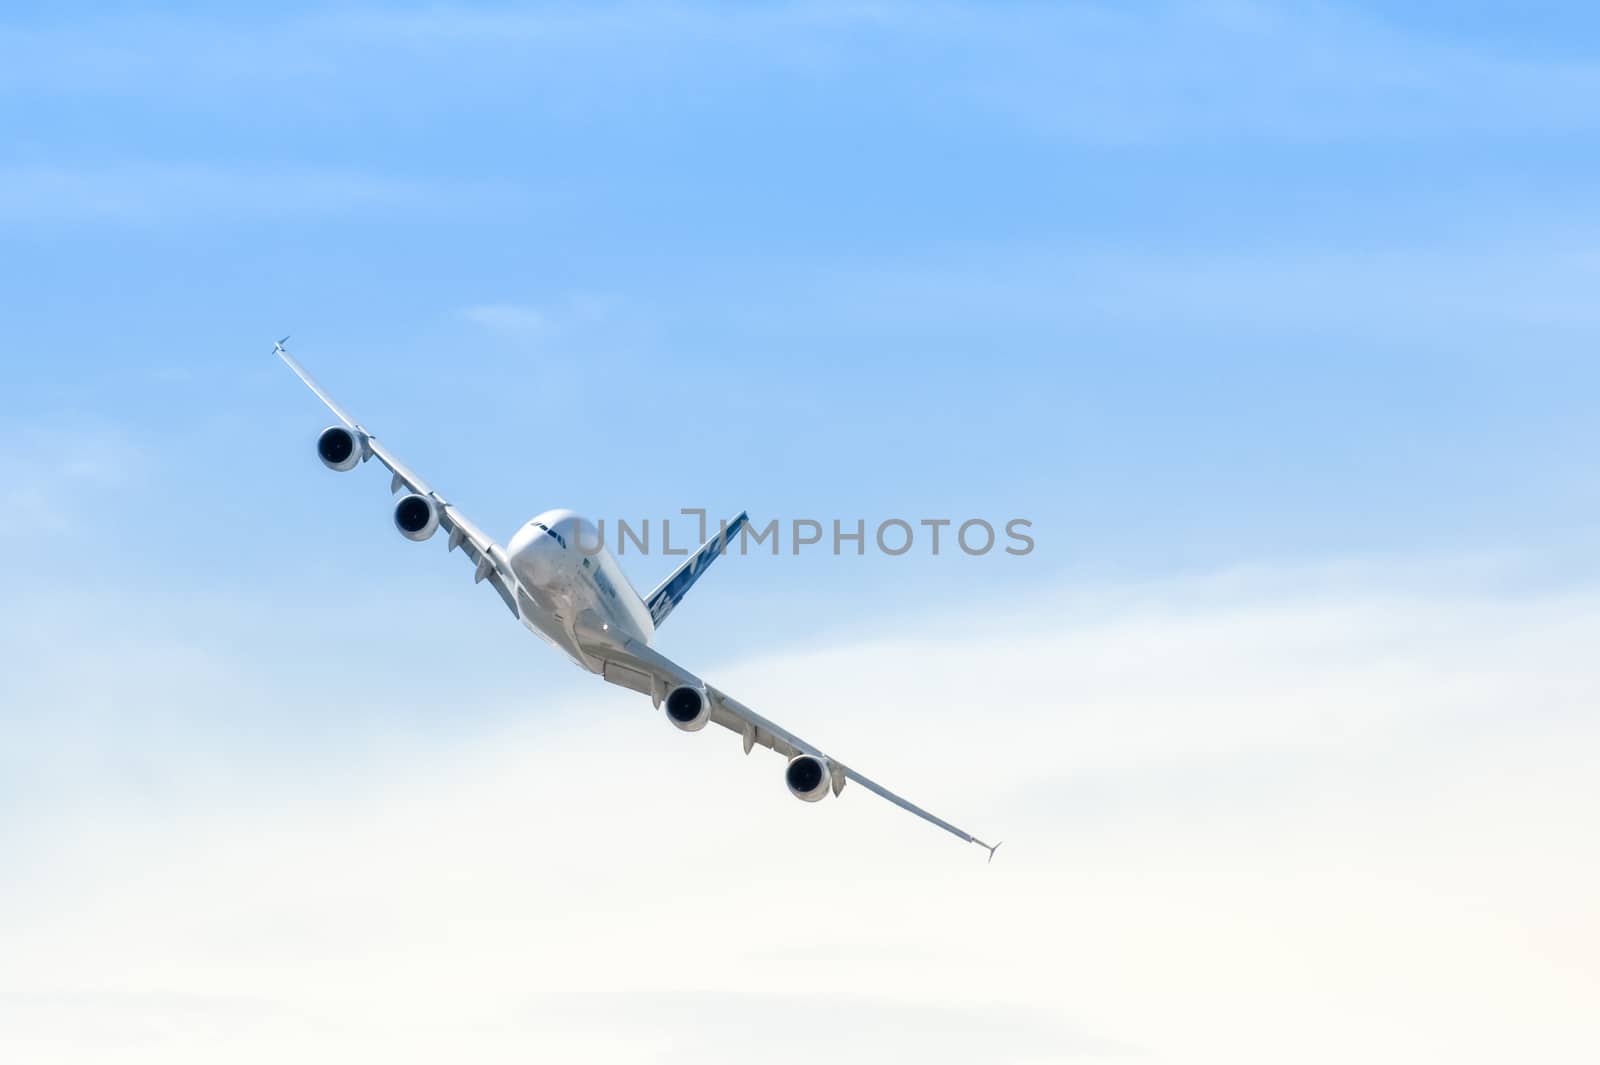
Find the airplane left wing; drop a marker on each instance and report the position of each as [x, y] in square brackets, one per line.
[489, 557]
[641, 668]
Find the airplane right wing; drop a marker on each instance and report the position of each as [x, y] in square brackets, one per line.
[641, 668]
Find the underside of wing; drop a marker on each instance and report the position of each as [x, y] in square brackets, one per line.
[421, 511]
[690, 704]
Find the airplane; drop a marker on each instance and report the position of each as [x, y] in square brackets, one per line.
[578, 601]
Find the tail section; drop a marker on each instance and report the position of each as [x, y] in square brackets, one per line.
[672, 590]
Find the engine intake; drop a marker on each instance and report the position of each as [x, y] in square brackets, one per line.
[339, 448]
[807, 777]
[417, 517]
[688, 708]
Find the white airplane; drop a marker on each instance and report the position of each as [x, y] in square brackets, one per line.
[579, 602]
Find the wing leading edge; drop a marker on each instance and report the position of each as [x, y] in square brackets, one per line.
[488, 556]
[635, 658]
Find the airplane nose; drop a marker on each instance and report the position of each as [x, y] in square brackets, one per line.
[534, 555]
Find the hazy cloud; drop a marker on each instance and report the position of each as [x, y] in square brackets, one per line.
[46, 474]
[527, 320]
[1237, 812]
[147, 191]
[1094, 72]
[508, 318]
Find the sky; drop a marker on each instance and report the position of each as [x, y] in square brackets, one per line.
[1274, 321]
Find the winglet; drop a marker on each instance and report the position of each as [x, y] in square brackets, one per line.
[988, 848]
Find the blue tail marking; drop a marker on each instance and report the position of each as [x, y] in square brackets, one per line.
[672, 590]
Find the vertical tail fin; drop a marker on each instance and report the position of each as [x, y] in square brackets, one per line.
[672, 590]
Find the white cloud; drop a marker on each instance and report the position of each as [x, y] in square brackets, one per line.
[1502, 284]
[1246, 821]
[529, 320]
[508, 317]
[150, 191]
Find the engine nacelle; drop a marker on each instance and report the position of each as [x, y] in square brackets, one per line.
[417, 517]
[688, 708]
[808, 777]
[340, 448]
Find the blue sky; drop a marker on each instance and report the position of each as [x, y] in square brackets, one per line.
[1292, 300]
[1185, 285]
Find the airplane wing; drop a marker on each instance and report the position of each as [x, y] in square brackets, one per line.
[489, 557]
[644, 669]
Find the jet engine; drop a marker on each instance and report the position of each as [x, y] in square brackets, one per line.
[339, 448]
[416, 517]
[808, 777]
[688, 708]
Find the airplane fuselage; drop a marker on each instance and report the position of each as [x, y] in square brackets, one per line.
[568, 586]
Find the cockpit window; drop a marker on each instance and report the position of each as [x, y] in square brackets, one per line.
[557, 537]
